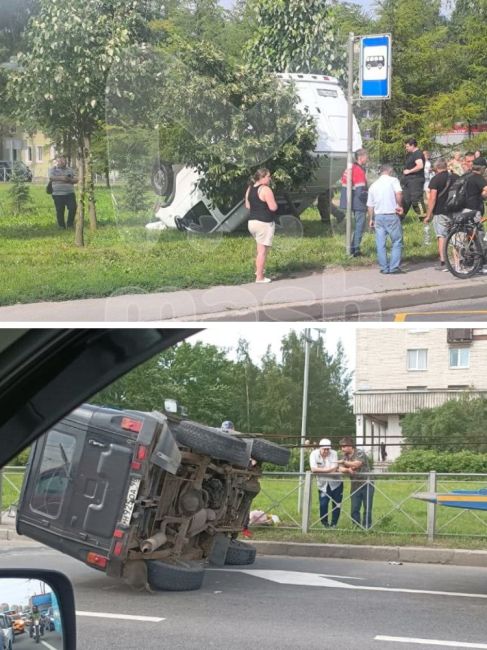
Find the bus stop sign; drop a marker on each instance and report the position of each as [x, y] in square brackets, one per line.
[375, 67]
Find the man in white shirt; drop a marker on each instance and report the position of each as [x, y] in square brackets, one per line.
[384, 204]
[323, 462]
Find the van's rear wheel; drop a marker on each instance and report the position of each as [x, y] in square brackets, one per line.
[183, 576]
[162, 179]
[240, 553]
[268, 452]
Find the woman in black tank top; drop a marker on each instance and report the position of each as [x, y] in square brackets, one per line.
[262, 204]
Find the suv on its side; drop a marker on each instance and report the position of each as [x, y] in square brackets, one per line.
[7, 168]
[148, 497]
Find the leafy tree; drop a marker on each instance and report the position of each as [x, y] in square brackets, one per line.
[230, 122]
[296, 36]
[60, 84]
[456, 425]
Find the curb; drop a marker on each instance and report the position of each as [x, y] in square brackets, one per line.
[416, 554]
[350, 306]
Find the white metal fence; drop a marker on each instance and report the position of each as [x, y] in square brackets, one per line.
[395, 511]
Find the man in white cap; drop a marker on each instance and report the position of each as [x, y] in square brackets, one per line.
[324, 462]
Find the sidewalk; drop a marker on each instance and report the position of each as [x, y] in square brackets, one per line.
[422, 555]
[332, 294]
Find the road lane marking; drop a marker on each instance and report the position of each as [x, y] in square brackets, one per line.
[316, 580]
[401, 317]
[48, 645]
[125, 617]
[447, 644]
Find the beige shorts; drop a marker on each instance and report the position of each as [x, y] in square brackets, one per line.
[262, 232]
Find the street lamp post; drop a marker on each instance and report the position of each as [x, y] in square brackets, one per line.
[304, 416]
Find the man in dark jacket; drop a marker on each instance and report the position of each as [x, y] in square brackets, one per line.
[359, 198]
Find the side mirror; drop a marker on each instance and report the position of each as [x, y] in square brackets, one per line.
[41, 604]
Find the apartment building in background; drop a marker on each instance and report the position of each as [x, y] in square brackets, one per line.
[34, 149]
[400, 371]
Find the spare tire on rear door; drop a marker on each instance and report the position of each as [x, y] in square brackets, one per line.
[183, 576]
[210, 441]
[267, 452]
[240, 553]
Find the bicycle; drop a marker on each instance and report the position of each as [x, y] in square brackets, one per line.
[465, 254]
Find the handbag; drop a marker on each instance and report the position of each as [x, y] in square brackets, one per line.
[49, 187]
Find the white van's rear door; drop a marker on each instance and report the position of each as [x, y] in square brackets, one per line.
[327, 104]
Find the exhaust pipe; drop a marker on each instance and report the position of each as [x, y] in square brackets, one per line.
[153, 543]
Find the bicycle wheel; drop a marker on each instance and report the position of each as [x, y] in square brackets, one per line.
[464, 254]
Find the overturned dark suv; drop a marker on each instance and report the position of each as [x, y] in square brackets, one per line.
[148, 497]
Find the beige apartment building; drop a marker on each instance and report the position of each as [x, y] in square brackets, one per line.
[400, 371]
[34, 149]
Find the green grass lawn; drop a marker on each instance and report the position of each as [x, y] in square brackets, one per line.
[397, 518]
[11, 484]
[43, 263]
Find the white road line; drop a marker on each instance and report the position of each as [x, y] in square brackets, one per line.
[48, 645]
[125, 617]
[316, 580]
[443, 644]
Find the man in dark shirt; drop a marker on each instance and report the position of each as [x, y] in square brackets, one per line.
[413, 179]
[438, 194]
[476, 189]
[356, 463]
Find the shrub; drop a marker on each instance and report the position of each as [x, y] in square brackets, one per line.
[467, 462]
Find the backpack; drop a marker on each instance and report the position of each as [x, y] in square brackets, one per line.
[456, 200]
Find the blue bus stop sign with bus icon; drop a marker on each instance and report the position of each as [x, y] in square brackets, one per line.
[375, 67]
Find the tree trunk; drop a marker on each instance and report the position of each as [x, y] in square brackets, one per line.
[90, 184]
[80, 217]
[107, 177]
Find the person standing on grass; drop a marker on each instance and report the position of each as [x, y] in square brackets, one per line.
[63, 180]
[355, 463]
[439, 186]
[359, 198]
[413, 179]
[261, 202]
[385, 209]
[323, 462]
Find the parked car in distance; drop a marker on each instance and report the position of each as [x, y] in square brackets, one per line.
[7, 168]
[7, 631]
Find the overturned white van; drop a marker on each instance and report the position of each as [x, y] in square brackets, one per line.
[186, 207]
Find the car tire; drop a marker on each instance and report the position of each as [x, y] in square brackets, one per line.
[175, 577]
[162, 179]
[268, 452]
[210, 441]
[240, 553]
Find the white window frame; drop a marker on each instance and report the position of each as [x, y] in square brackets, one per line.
[415, 367]
[39, 153]
[30, 153]
[459, 365]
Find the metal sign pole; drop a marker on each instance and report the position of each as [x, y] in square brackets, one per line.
[351, 41]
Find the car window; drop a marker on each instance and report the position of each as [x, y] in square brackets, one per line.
[53, 474]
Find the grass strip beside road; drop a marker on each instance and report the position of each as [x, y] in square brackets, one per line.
[398, 518]
[122, 256]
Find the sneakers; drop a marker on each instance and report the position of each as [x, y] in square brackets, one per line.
[441, 267]
[263, 281]
[247, 533]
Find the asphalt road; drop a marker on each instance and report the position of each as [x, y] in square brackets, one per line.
[459, 311]
[285, 603]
